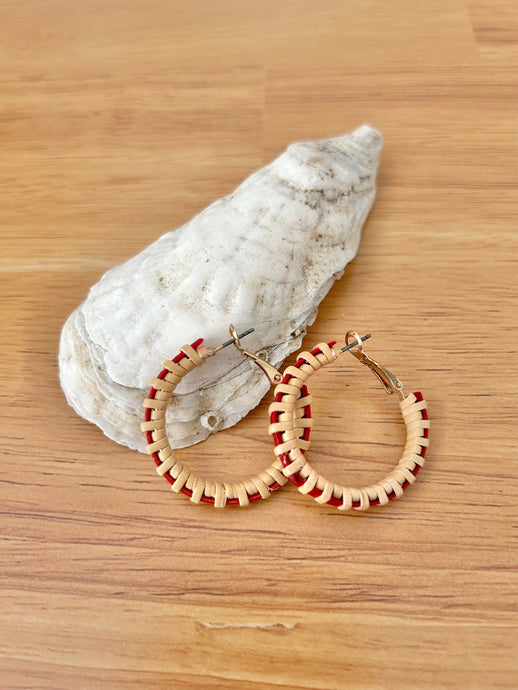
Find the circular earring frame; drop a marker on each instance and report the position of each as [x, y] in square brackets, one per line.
[306, 478]
[181, 478]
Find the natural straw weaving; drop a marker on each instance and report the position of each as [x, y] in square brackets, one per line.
[308, 480]
[181, 478]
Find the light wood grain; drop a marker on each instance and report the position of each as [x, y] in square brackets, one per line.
[119, 122]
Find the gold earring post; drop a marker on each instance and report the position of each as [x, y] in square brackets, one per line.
[233, 339]
[206, 351]
[358, 342]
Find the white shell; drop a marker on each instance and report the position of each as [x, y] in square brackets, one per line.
[264, 257]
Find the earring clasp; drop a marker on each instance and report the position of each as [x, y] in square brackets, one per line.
[271, 372]
[390, 382]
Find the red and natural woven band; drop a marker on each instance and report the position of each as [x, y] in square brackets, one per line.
[272, 471]
[299, 472]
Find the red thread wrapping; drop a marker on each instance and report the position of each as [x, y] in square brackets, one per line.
[188, 492]
[297, 480]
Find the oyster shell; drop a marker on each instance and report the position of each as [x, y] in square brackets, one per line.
[264, 257]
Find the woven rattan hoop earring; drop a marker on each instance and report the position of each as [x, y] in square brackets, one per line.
[298, 469]
[219, 494]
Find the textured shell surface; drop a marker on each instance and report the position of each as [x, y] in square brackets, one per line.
[264, 257]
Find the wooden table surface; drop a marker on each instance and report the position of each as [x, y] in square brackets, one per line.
[120, 121]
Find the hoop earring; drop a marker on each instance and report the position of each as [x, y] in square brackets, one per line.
[308, 480]
[199, 490]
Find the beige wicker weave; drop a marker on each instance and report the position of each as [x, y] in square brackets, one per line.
[181, 478]
[298, 469]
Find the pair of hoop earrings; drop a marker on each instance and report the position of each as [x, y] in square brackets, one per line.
[290, 426]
